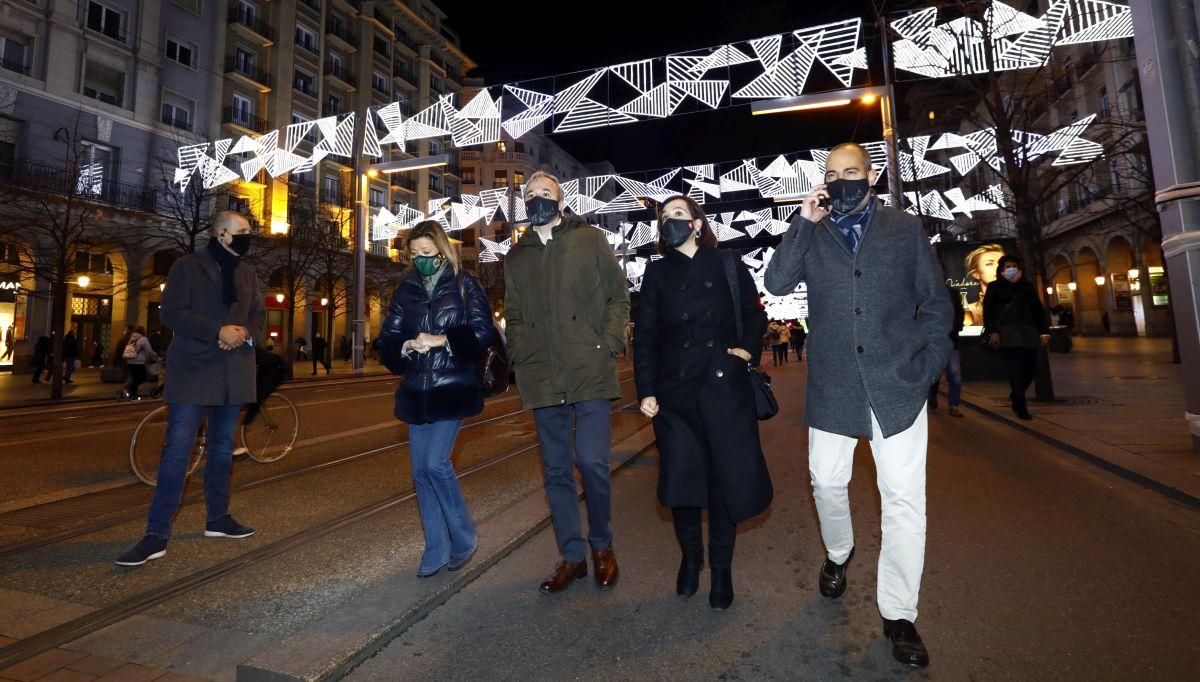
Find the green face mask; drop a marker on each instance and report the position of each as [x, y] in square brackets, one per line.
[427, 265]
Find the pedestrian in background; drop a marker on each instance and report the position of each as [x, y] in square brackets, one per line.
[10, 342]
[878, 303]
[213, 305]
[775, 335]
[138, 354]
[1015, 323]
[320, 348]
[302, 351]
[97, 353]
[567, 303]
[41, 357]
[70, 356]
[954, 366]
[344, 347]
[798, 335]
[690, 368]
[438, 327]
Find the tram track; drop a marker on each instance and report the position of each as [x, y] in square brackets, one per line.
[116, 519]
[64, 633]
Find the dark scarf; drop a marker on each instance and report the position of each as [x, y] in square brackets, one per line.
[854, 225]
[228, 263]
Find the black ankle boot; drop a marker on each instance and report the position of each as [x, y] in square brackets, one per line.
[720, 596]
[688, 580]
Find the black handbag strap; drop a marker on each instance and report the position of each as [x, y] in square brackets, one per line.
[731, 276]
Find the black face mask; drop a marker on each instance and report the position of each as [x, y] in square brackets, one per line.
[675, 231]
[541, 211]
[846, 195]
[240, 243]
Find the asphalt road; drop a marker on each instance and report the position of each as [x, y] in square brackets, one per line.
[1039, 567]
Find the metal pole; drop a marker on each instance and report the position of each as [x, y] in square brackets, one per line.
[1167, 36]
[887, 110]
[358, 352]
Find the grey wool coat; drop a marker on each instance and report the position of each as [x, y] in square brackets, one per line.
[199, 372]
[879, 320]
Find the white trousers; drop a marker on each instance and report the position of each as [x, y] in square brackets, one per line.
[900, 468]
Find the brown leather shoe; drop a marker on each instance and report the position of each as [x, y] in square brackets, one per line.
[565, 573]
[605, 562]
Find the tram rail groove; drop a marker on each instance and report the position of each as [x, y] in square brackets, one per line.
[65, 633]
[114, 520]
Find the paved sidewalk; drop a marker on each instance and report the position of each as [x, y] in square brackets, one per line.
[1120, 401]
[19, 390]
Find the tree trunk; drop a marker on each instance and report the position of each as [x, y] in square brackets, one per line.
[58, 319]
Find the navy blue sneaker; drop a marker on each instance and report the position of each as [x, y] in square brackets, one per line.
[147, 549]
[226, 527]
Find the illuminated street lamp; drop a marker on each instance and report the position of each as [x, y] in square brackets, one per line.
[1099, 280]
[83, 281]
[279, 298]
[1072, 286]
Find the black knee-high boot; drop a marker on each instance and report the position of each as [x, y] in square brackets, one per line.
[688, 532]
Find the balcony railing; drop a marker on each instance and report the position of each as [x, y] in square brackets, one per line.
[404, 181]
[314, 5]
[244, 119]
[251, 71]
[311, 49]
[514, 157]
[238, 16]
[103, 96]
[338, 71]
[340, 31]
[43, 178]
[13, 65]
[407, 40]
[402, 71]
[180, 122]
[471, 155]
[335, 197]
[328, 109]
[407, 108]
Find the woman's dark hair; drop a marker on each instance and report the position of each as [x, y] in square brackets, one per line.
[706, 237]
[1008, 259]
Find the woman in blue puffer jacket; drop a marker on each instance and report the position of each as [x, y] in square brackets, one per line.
[437, 329]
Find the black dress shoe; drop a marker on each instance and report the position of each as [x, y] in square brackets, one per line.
[720, 595]
[688, 580]
[907, 646]
[833, 577]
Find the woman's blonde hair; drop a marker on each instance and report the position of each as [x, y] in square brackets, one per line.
[973, 258]
[432, 230]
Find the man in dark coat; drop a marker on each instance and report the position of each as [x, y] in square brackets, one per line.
[213, 305]
[70, 355]
[319, 349]
[42, 349]
[566, 304]
[880, 336]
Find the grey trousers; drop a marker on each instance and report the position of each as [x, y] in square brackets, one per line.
[588, 447]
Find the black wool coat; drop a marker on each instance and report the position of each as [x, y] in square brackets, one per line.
[443, 383]
[706, 420]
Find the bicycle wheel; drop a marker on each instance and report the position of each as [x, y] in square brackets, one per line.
[271, 434]
[145, 448]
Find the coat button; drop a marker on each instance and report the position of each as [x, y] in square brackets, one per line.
[860, 349]
[709, 344]
[858, 273]
[720, 373]
[597, 346]
[685, 316]
[686, 344]
[858, 311]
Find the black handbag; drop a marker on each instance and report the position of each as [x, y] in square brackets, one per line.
[493, 368]
[765, 405]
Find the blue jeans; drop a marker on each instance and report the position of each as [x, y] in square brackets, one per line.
[449, 531]
[953, 379]
[590, 441]
[183, 423]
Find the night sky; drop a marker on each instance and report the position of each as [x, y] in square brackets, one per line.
[517, 42]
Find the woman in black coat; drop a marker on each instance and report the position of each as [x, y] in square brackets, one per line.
[1015, 322]
[438, 327]
[691, 370]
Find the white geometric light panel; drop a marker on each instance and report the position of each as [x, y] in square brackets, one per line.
[1018, 40]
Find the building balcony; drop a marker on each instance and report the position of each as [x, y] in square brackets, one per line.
[471, 155]
[314, 5]
[107, 98]
[244, 120]
[310, 91]
[404, 181]
[334, 197]
[514, 157]
[343, 35]
[403, 38]
[14, 66]
[250, 25]
[339, 73]
[308, 51]
[179, 122]
[42, 178]
[249, 74]
[402, 72]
